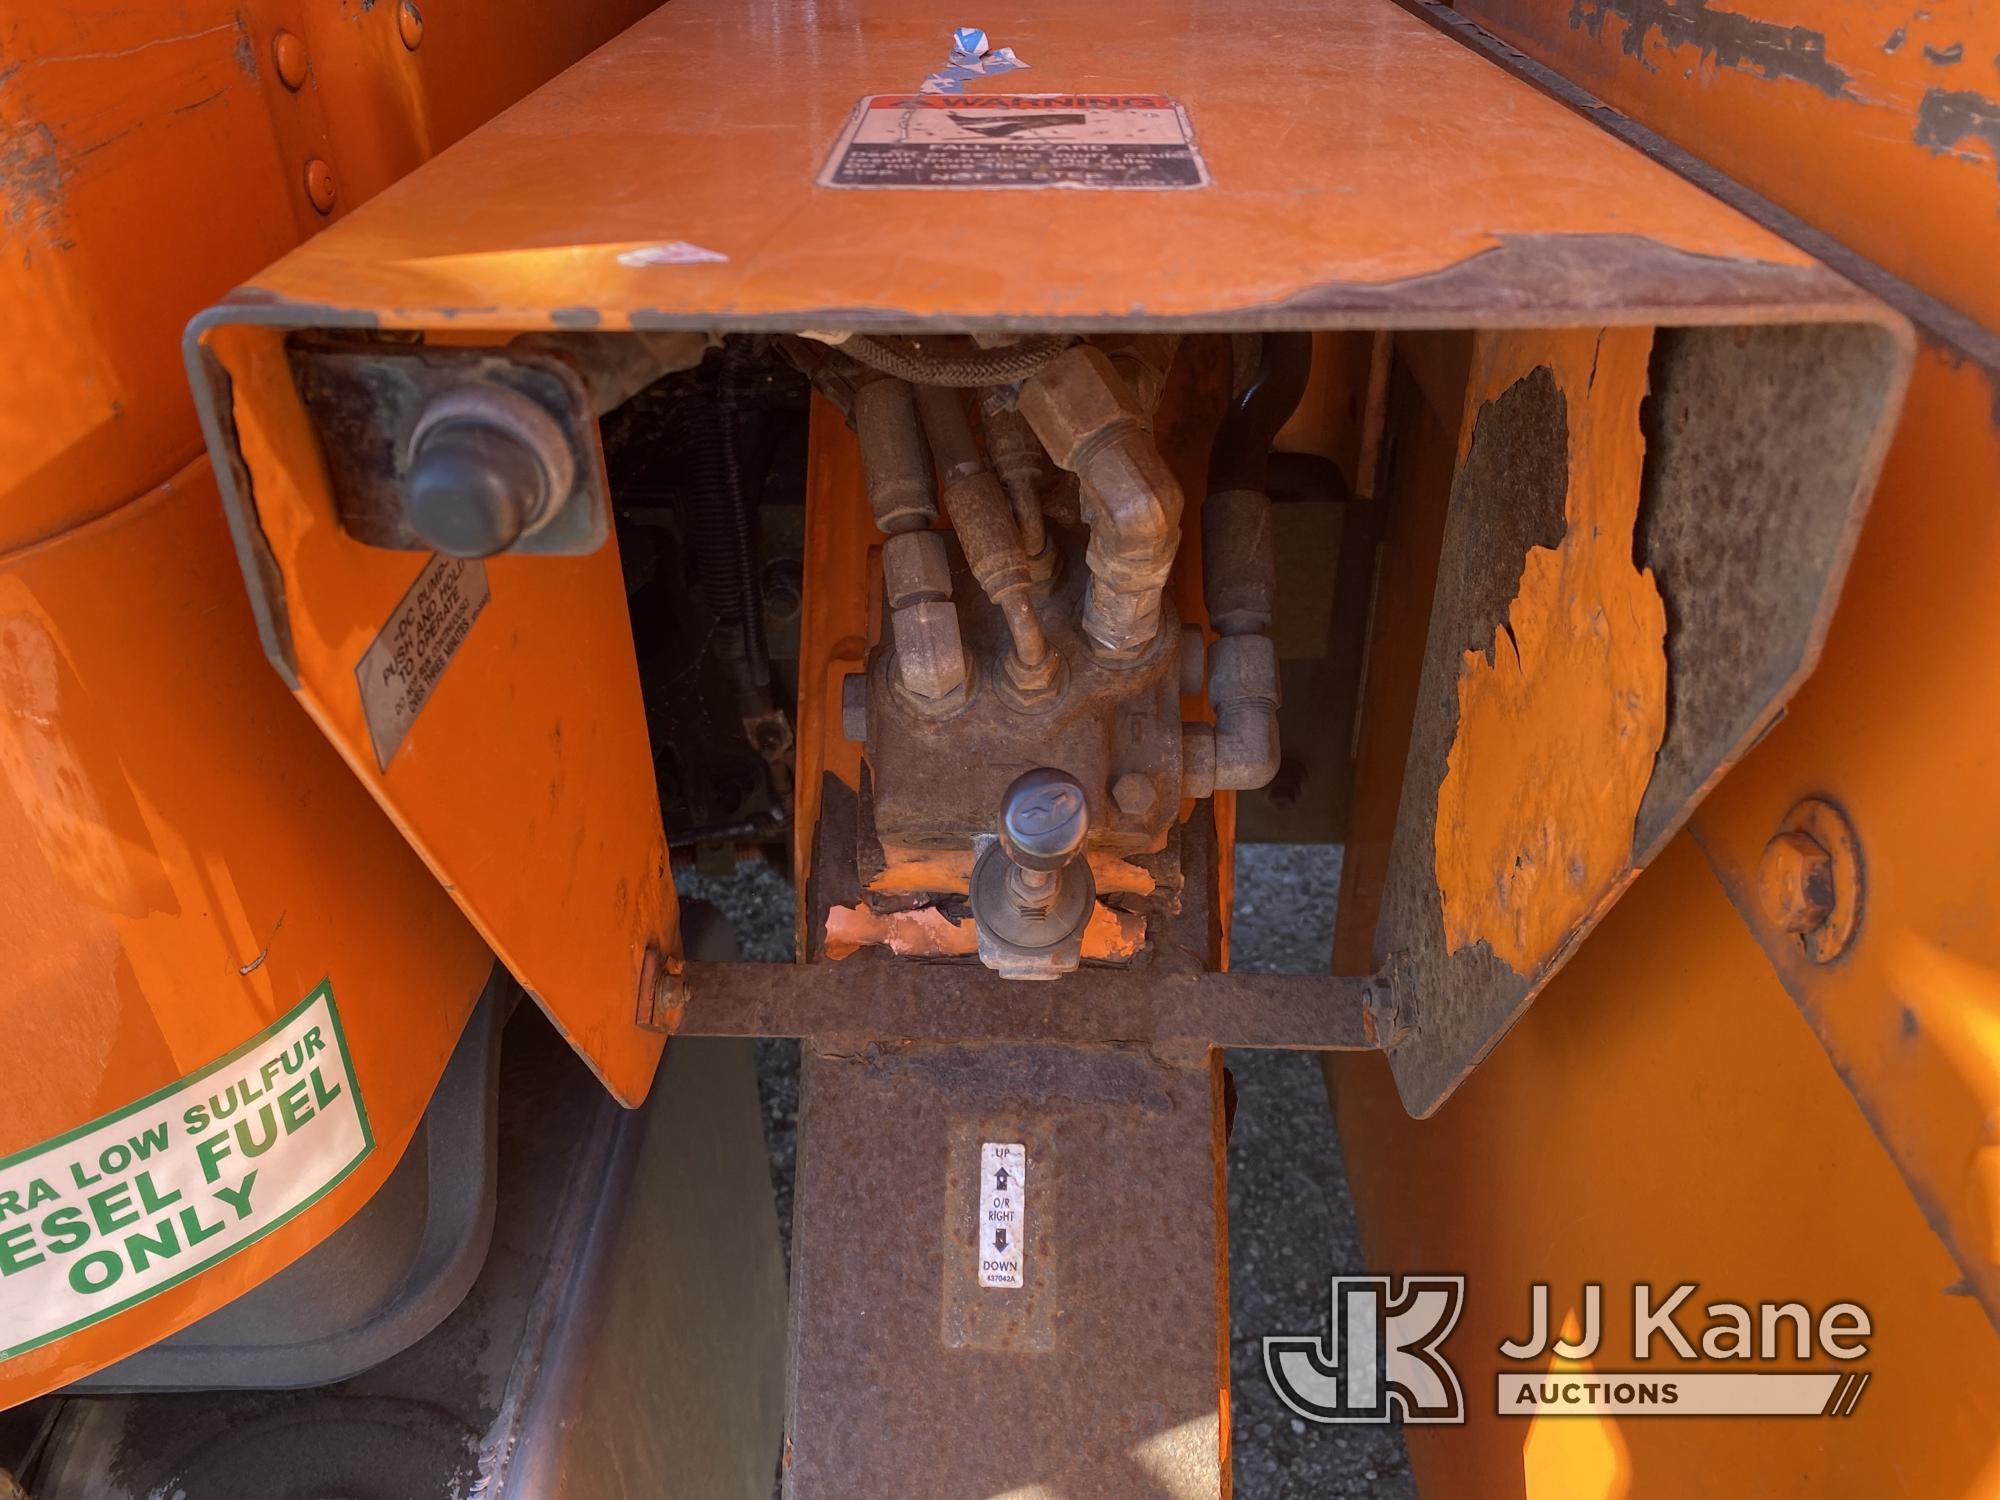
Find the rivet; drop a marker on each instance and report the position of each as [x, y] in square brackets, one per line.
[410, 22]
[319, 185]
[293, 63]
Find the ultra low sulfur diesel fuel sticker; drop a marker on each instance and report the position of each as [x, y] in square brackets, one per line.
[135, 1202]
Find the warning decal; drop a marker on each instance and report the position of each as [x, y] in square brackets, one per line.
[1016, 141]
[131, 1204]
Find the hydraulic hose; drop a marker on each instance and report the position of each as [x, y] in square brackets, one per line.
[722, 540]
[1002, 365]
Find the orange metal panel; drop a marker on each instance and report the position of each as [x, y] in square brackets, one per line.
[151, 157]
[1349, 150]
[1662, 1115]
[1897, 731]
[1876, 121]
[526, 779]
[1888, 729]
[654, 140]
[184, 861]
[183, 857]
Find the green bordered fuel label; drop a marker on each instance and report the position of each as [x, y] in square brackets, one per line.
[119, 1210]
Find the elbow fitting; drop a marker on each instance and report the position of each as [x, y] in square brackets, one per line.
[1243, 691]
[1094, 426]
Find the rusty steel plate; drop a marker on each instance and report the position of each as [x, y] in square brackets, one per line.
[1084, 1353]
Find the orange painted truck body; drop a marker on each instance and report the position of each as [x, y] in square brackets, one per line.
[183, 857]
[1694, 1098]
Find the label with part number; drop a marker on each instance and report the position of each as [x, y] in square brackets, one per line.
[1016, 141]
[400, 670]
[1003, 1212]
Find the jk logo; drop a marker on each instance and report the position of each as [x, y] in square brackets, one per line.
[1377, 1350]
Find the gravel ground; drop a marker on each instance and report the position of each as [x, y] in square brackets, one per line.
[1291, 1223]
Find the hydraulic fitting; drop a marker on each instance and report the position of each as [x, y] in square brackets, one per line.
[895, 463]
[1239, 570]
[1243, 691]
[1094, 426]
[1022, 466]
[930, 653]
[979, 513]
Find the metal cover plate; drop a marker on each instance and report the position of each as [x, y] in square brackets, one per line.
[661, 183]
[1102, 1374]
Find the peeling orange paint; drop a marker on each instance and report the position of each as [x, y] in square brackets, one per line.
[928, 932]
[908, 870]
[1558, 730]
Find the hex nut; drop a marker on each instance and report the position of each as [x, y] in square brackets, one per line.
[1134, 794]
[854, 707]
[1795, 881]
[915, 569]
[1035, 689]
[1075, 400]
[930, 657]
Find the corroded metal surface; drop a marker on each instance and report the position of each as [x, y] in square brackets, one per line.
[1760, 449]
[890, 1002]
[1099, 1375]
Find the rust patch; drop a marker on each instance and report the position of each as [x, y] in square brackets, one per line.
[1560, 715]
[1949, 116]
[1723, 37]
[31, 176]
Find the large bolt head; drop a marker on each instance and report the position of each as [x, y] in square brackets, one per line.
[485, 465]
[1135, 794]
[1044, 819]
[472, 490]
[1795, 883]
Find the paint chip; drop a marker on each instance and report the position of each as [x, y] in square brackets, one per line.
[672, 253]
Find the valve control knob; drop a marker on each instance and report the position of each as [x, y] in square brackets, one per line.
[1031, 896]
[1044, 819]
